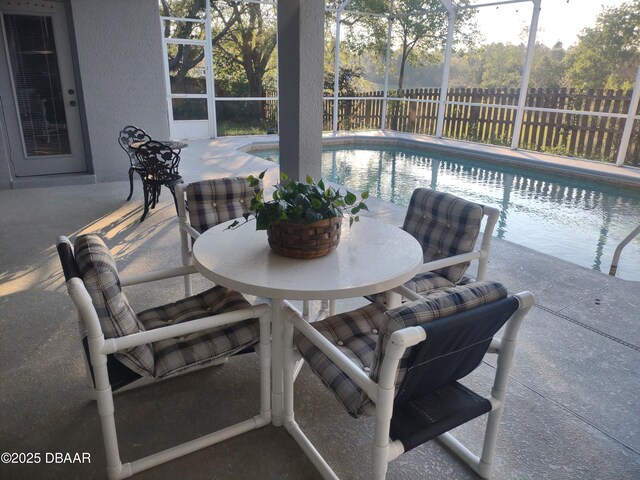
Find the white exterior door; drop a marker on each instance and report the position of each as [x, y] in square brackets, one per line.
[38, 91]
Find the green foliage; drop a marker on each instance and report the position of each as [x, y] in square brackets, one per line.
[607, 55]
[301, 202]
[418, 33]
[231, 128]
[549, 67]
[347, 81]
[502, 66]
[244, 52]
[499, 65]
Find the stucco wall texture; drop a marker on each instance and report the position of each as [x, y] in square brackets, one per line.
[300, 41]
[120, 56]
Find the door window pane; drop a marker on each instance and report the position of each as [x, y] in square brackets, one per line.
[36, 77]
[189, 108]
[187, 71]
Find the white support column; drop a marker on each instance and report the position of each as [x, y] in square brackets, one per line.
[336, 73]
[383, 119]
[444, 86]
[628, 125]
[300, 78]
[209, 80]
[526, 73]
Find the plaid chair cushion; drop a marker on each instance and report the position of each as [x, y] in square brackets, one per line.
[363, 335]
[424, 283]
[177, 354]
[440, 304]
[445, 225]
[215, 201]
[100, 276]
[355, 333]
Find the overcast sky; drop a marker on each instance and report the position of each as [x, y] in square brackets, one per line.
[559, 20]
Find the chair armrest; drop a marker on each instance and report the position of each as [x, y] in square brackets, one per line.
[506, 348]
[398, 343]
[183, 221]
[153, 276]
[447, 262]
[190, 230]
[112, 345]
[335, 355]
[495, 346]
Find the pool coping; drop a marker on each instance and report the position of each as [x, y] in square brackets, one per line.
[625, 176]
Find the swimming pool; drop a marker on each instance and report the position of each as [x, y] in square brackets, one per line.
[579, 221]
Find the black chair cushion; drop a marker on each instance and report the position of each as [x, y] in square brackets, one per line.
[454, 347]
[428, 417]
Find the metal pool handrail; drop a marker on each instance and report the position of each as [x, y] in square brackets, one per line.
[616, 254]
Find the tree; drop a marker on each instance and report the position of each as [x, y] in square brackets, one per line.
[549, 68]
[243, 42]
[249, 43]
[502, 65]
[419, 30]
[183, 58]
[608, 54]
[353, 67]
[499, 65]
[347, 81]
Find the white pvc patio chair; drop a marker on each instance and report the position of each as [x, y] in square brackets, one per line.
[447, 227]
[403, 365]
[124, 349]
[207, 203]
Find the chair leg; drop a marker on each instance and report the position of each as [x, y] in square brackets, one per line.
[175, 200]
[328, 307]
[380, 454]
[264, 348]
[154, 196]
[186, 260]
[146, 188]
[288, 372]
[130, 183]
[104, 398]
[393, 299]
[277, 388]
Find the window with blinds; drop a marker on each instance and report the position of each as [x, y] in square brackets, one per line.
[36, 77]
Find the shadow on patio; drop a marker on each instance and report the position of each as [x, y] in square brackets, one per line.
[572, 404]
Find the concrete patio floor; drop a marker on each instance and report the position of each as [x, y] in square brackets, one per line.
[572, 408]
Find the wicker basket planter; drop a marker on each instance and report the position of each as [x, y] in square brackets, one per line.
[305, 240]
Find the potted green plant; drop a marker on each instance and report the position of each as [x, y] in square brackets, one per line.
[303, 220]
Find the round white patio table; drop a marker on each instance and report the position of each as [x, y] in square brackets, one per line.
[372, 257]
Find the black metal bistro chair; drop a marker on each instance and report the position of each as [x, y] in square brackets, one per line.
[128, 135]
[160, 167]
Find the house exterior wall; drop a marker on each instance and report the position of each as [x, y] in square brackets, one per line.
[119, 51]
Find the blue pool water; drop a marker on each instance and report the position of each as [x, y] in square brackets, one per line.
[578, 221]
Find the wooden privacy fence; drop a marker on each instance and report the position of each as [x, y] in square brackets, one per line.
[562, 132]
